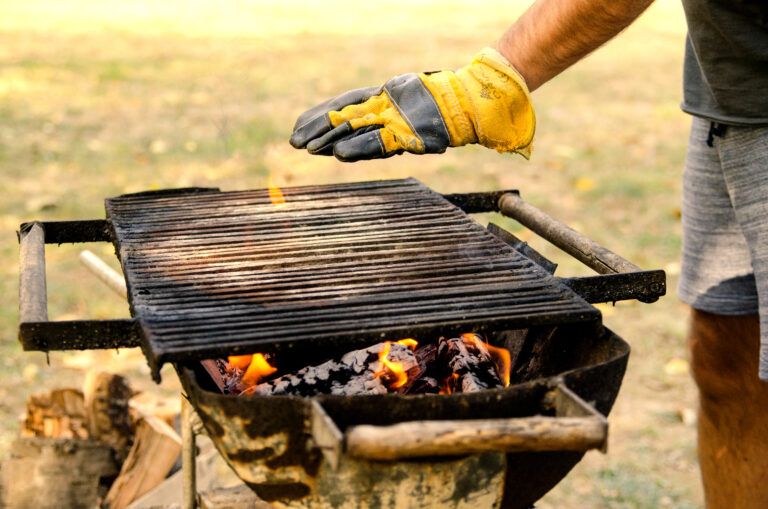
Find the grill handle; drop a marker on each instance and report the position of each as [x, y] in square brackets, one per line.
[33, 296]
[36, 332]
[584, 249]
[619, 278]
[576, 426]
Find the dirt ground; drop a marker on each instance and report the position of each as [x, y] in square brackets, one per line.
[103, 98]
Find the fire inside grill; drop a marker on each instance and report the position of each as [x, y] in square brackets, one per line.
[462, 364]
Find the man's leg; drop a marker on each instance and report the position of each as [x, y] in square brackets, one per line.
[733, 410]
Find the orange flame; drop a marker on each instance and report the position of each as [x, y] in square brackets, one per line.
[410, 343]
[395, 368]
[240, 361]
[258, 369]
[500, 357]
[445, 387]
[276, 195]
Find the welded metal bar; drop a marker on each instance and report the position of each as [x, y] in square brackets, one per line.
[79, 334]
[64, 232]
[646, 286]
[473, 203]
[33, 297]
[104, 272]
[188, 463]
[569, 240]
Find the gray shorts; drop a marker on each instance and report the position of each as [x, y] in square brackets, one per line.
[725, 224]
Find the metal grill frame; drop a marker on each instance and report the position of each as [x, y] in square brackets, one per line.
[36, 333]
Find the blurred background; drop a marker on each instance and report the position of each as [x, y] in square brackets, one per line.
[100, 98]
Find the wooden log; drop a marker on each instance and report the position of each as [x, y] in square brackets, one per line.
[451, 438]
[56, 473]
[235, 497]
[156, 446]
[469, 366]
[59, 413]
[107, 397]
[356, 372]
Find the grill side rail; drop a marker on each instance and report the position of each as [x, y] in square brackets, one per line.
[36, 331]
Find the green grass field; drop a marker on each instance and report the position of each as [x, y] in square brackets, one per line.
[103, 98]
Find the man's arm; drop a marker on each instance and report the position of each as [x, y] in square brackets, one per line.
[486, 102]
[554, 34]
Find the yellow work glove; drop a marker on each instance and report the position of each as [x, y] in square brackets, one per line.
[486, 102]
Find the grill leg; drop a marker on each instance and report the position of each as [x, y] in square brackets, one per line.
[188, 463]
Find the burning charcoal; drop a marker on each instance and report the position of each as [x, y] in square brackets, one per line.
[426, 354]
[423, 381]
[423, 385]
[357, 372]
[469, 365]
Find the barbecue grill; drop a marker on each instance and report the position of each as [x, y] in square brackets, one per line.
[310, 272]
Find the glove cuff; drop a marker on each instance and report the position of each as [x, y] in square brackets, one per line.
[501, 109]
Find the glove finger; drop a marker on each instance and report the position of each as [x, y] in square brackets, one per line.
[368, 145]
[323, 146]
[315, 121]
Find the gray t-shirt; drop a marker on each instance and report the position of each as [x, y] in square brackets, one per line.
[725, 72]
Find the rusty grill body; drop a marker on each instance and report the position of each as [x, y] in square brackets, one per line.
[331, 269]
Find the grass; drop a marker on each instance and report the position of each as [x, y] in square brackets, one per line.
[103, 98]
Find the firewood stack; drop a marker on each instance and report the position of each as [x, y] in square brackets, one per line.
[86, 449]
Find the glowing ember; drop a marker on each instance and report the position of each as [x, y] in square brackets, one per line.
[240, 361]
[410, 343]
[258, 369]
[500, 356]
[395, 369]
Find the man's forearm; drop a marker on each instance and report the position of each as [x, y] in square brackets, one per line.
[553, 34]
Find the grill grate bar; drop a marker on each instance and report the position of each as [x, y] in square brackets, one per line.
[247, 286]
[203, 256]
[275, 329]
[198, 229]
[344, 269]
[364, 293]
[259, 248]
[398, 304]
[268, 210]
[317, 259]
[276, 232]
[170, 200]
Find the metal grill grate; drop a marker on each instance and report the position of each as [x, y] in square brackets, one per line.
[218, 273]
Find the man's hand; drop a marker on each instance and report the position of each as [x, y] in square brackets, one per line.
[486, 102]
